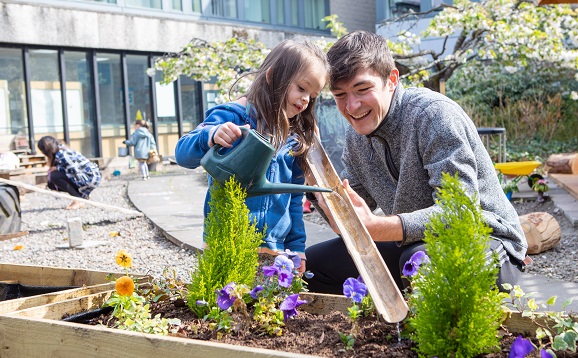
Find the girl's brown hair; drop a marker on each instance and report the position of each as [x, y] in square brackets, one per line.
[268, 93]
[49, 146]
[142, 123]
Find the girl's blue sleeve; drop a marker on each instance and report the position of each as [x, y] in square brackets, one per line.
[295, 240]
[192, 146]
[132, 141]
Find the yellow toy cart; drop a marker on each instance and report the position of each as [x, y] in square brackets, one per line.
[520, 169]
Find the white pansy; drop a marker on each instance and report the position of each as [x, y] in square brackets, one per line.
[574, 95]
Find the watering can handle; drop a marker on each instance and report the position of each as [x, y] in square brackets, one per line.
[217, 147]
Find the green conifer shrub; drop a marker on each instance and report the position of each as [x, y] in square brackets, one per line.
[455, 301]
[232, 242]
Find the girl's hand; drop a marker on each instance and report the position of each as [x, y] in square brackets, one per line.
[51, 169]
[225, 135]
[302, 268]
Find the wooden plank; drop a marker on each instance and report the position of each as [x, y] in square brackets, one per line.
[33, 301]
[387, 297]
[54, 276]
[568, 182]
[323, 304]
[39, 338]
[12, 235]
[66, 196]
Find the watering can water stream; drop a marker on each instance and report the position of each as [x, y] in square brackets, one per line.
[248, 162]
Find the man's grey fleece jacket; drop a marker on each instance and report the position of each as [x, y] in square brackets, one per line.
[399, 166]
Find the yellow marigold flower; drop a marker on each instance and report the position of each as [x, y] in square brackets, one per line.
[124, 286]
[123, 259]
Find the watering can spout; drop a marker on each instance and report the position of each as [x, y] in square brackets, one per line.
[248, 162]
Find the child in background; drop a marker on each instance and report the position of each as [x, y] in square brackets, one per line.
[69, 170]
[280, 104]
[143, 142]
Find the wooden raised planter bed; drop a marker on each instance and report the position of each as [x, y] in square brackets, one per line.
[87, 282]
[39, 332]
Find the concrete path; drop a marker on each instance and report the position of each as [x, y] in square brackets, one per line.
[174, 203]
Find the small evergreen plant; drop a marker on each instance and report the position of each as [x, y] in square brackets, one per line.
[232, 242]
[456, 304]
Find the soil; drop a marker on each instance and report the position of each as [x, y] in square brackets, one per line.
[311, 334]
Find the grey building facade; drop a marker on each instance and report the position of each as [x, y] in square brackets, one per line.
[75, 69]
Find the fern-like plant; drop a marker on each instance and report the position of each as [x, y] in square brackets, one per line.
[456, 304]
[232, 242]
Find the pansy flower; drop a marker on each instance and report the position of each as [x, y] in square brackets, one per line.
[521, 348]
[294, 257]
[124, 286]
[255, 291]
[289, 306]
[354, 289]
[285, 278]
[412, 265]
[226, 296]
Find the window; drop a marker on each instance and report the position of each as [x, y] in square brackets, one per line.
[287, 9]
[314, 11]
[112, 128]
[153, 4]
[79, 104]
[46, 94]
[257, 10]
[177, 5]
[13, 120]
[197, 6]
[192, 111]
[225, 8]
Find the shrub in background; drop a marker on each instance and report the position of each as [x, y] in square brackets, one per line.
[232, 246]
[456, 304]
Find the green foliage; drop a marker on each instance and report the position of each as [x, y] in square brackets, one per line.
[132, 313]
[220, 320]
[509, 186]
[268, 316]
[232, 246]
[557, 330]
[348, 340]
[455, 298]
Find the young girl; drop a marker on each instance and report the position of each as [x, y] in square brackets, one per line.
[143, 142]
[280, 104]
[69, 170]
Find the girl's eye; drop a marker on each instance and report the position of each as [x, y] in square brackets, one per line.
[301, 88]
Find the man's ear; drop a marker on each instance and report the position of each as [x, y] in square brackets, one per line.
[393, 78]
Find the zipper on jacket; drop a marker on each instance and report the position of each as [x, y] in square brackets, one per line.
[388, 158]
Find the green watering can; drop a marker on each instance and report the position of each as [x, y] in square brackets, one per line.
[248, 162]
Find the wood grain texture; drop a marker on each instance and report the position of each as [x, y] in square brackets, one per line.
[388, 300]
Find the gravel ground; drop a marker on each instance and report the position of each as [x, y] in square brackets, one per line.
[45, 218]
[558, 262]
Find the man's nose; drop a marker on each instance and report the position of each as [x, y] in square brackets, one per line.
[352, 104]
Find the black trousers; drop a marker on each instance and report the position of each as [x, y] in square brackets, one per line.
[58, 181]
[331, 264]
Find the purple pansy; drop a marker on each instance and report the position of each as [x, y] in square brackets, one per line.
[283, 263]
[412, 265]
[290, 304]
[226, 297]
[521, 348]
[294, 257]
[354, 289]
[285, 278]
[255, 292]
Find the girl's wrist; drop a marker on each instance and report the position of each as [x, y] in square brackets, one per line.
[212, 136]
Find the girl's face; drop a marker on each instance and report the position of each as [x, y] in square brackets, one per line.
[304, 87]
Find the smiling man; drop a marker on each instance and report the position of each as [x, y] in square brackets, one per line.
[400, 142]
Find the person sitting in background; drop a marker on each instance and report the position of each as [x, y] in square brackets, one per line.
[69, 171]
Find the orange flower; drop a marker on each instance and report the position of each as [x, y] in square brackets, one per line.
[123, 259]
[124, 286]
[18, 247]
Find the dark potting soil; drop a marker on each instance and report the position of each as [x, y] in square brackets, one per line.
[311, 334]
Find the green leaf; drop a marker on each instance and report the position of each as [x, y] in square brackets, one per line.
[551, 301]
[559, 344]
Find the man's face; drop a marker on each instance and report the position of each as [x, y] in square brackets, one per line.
[365, 99]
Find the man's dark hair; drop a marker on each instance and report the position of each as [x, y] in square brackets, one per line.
[359, 49]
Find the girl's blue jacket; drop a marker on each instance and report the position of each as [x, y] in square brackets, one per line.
[281, 214]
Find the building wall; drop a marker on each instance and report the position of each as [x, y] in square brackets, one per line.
[43, 24]
[355, 15]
